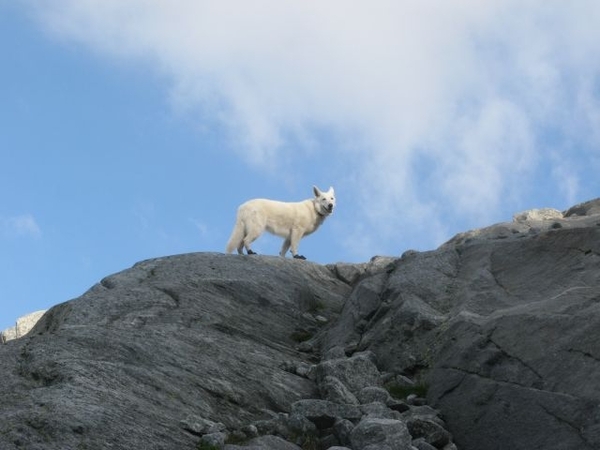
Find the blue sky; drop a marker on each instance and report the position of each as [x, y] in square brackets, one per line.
[133, 129]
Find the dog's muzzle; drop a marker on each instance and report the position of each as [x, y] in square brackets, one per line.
[325, 210]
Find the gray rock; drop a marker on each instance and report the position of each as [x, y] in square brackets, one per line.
[378, 447]
[324, 413]
[343, 429]
[213, 440]
[517, 365]
[502, 321]
[300, 425]
[421, 444]
[278, 424]
[589, 208]
[22, 326]
[189, 335]
[432, 432]
[424, 413]
[372, 394]
[200, 425]
[335, 352]
[362, 305]
[356, 372]
[499, 325]
[379, 410]
[536, 215]
[334, 390]
[264, 443]
[380, 433]
[328, 441]
[352, 273]
[450, 446]
[348, 273]
[250, 431]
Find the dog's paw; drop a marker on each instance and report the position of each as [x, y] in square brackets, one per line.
[299, 257]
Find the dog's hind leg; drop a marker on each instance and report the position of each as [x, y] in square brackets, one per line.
[251, 236]
[240, 247]
[237, 237]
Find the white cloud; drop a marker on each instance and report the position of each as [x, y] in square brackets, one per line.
[447, 103]
[22, 225]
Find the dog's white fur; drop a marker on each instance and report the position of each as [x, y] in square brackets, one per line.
[290, 220]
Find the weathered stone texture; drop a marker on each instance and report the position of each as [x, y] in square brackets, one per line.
[502, 324]
[496, 330]
[22, 326]
[191, 335]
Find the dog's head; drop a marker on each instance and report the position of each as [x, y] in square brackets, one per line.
[325, 201]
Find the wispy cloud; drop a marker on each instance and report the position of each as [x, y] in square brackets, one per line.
[447, 104]
[201, 227]
[20, 226]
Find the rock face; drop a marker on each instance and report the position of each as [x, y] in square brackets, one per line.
[498, 328]
[171, 339]
[502, 323]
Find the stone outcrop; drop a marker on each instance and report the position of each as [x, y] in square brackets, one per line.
[22, 326]
[489, 342]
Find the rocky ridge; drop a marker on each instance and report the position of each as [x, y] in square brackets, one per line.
[488, 342]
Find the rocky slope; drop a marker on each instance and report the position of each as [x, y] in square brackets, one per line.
[497, 327]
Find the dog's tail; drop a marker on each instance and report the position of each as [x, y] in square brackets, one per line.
[237, 236]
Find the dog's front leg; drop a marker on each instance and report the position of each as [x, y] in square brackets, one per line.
[295, 237]
[285, 247]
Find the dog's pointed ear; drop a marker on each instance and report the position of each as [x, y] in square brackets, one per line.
[331, 190]
[316, 191]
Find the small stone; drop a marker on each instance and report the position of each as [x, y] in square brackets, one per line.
[380, 411]
[199, 425]
[334, 390]
[421, 444]
[432, 432]
[306, 370]
[355, 373]
[250, 431]
[381, 433]
[343, 428]
[214, 440]
[372, 394]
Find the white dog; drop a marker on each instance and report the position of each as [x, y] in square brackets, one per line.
[291, 221]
